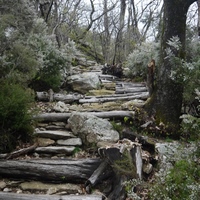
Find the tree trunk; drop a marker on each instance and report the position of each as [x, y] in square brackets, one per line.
[118, 57]
[166, 100]
[106, 37]
[74, 171]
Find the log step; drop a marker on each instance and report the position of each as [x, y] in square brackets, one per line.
[130, 90]
[50, 117]
[14, 196]
[129, 84]
[51, 170]
[141, 95]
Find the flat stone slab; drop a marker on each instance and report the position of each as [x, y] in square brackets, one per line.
[55, 150]
[51, 188]
[70, 142]
[44, 142]
[55, 135]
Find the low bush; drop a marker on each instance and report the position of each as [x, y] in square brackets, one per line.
[15, 120]
[181, 182]
[190, 128]
[138, 60]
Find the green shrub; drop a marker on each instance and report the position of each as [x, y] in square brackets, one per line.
[182, 182]
[53, 61]
[138, 60]
[190, 127]
[186, 71]
[15, 120]
[19, 64]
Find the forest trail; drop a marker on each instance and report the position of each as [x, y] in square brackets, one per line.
[56, 143]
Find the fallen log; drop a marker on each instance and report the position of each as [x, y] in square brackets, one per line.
[130, 90]
[71, 171]
[15, 196]
[141, 95]
[108, 96]
[101, 173]
[20, 152]
[51, 96]
[50, 117]
[129, 84]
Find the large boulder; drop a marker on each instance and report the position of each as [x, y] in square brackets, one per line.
[92, 129]
[84, 82]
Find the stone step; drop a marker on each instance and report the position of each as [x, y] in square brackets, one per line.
[56, 150]
[55, 135]
[70, 142]
[50, 188]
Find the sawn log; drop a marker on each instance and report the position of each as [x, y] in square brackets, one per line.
[72, 171]
[50, 117]
[14, 196]
[140, 95]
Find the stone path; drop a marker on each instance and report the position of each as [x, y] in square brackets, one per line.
[56, 140]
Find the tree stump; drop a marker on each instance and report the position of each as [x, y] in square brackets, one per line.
[122, 162]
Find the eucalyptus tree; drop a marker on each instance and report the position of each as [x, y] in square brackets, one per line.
[119, 47]
[166, 101]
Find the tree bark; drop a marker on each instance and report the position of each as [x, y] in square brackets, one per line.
[74, 171]
[198, 3]
[125, 158]
[166, 101]
[106, 36]
[15, 196]
[150, 76]
[118, 56]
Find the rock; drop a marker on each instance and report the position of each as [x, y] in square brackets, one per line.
[7, 190]
[43, 142]
[36, 155]
[136, 103]
[70, 142]
[104, 144]
[61, 124]
[92, 129]
[55, 150]
[50, 188]
[55, 126]
[55, 135]
[61, 107]
[19, 191]
[147, 168]
[2, 185]
[109, 85]
[84, 82]
[41, 125]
